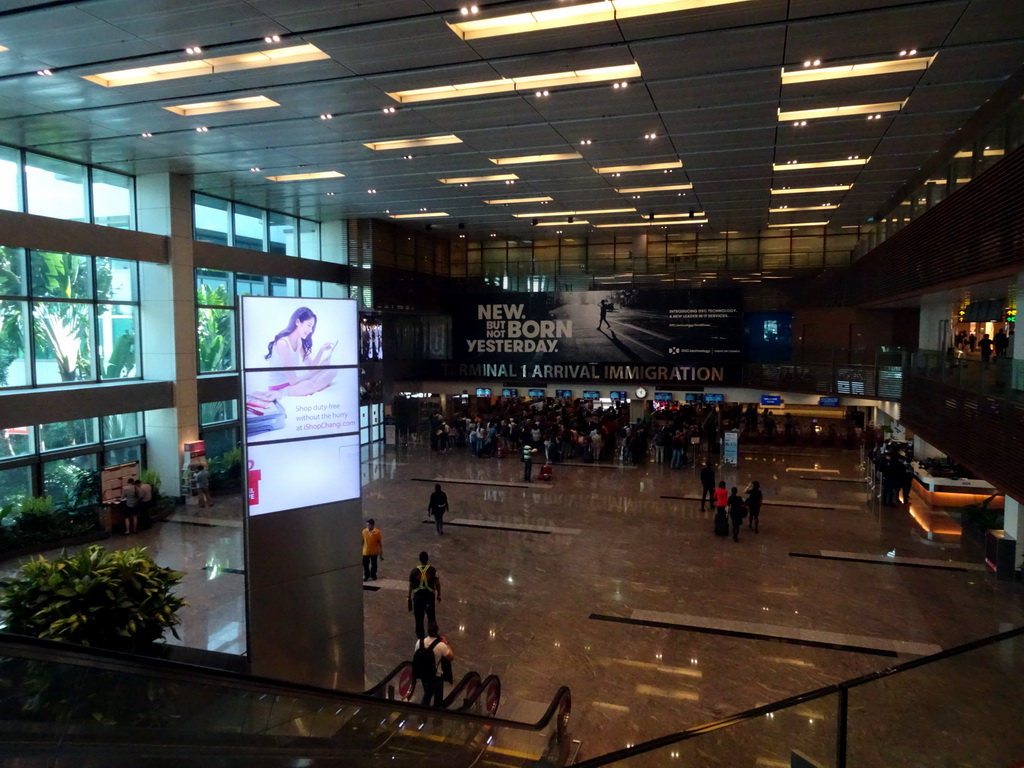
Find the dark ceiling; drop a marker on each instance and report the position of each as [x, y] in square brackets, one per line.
[710, 91]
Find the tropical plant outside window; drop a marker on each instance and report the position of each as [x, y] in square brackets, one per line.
[73, 337]
[215, 332]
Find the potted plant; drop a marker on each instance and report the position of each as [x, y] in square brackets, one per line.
[121, 600]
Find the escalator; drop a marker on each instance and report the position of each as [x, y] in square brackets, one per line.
[62, 705]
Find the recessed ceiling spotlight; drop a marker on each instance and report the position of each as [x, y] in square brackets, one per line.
[193, 49]
[388, 210]
[541, 94]
[461, 235]
[510, 181]
[422, 209]
[636, 197]
[407, 157]
[147, 135]
[494, 234]
[326, 116]
[587, 141]
[272, 39]
[374, 192]
[807, 63]
[44, 72]
[202, 129]
[466, 10]
[817, 62]
[254, 169]
[388, 110]
[650, 135]
[330, 194]
[799, 123]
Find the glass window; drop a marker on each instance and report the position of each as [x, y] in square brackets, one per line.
[61, 275]
[284, 235]
[284, 286]
[219, 440]
[15, 485]
[12, 271]
[68, 434]
[211, 219]
[216, 340]
[117, 351]
[309, 240]
[56, 188]
[122, 454]
[16, 441]
[218, 411]
[310, 289]
[250, 285]
[121, 426]
[112, 200]
[10, 179]
[63, 334]
[61, 477]
[14, 359]
[116, 279]
[213, 288]
[250, 228]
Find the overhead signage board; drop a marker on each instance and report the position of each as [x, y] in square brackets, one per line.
[622, 335]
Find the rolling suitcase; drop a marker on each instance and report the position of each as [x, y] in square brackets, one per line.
[721, 524]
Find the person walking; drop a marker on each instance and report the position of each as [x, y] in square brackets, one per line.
[130, 497]
[145, 491]
[202, 478]
[721, 497]
[436, 508]
[754, 500]
[707, 480]
[737, 511]
[528, 452]
[605, 305]
[428, 659]
[373, 548]
[424, 592]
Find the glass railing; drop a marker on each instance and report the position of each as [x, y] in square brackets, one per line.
[63, 705]
[1000, 377]
[857, 373]
[960, 707]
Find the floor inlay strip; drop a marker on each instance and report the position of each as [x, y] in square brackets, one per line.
[749, 630]
[798, 504]
[491, 526]
[457, 481]
[236, 571]
[906, 562]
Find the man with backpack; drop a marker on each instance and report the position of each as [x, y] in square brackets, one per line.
[424, 592]
[429, 657]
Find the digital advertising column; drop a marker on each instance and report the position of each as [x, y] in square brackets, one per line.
[303, 513]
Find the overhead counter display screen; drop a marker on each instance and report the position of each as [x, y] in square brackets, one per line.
[622, 335]
[301, 385]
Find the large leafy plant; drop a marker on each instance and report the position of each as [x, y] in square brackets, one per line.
[121, 600]
[214, 330]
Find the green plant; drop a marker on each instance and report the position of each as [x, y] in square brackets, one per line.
[214, 330]
[980, 516]
[226, 469]
[152, 478]
[36, 505]
[121, 600]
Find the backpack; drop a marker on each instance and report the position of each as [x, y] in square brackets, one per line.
[424, 665]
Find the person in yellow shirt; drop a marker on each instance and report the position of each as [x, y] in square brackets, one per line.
[373, 547]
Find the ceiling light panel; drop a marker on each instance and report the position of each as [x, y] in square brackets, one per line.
[514, 200]
[480, 179]
[528, 84]
[801, 224]
[825, 164]
[803, 75]
[426, 141]
[853, 109]
[228, 105]
[803, 208]
[667, 188]
[562, 223]
[807, 190]
[274, 57]
[577, 15]
[307, 176]
[536, 158]
[436, 214]
[541, 214]
[634, 168]
[661, 223]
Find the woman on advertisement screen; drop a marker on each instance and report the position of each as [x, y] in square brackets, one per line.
[292, 348]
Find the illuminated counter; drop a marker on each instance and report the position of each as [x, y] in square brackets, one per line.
[947, 492]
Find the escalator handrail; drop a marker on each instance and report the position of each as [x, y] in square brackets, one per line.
[460, 687]
[394, 673]
[23, 646]
[470, 701]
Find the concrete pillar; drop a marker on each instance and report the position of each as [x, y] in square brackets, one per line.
[639, 249]
[168, 321]
[934, 331]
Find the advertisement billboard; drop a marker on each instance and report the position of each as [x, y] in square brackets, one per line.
[622, 335]
[301, 387]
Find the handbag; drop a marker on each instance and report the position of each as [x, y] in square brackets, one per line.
[446, 670]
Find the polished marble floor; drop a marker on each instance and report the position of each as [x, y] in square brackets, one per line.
[610, 580]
